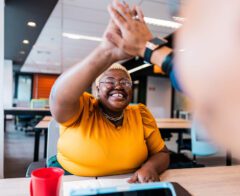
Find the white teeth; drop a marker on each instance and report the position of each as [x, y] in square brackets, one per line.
[117, 95]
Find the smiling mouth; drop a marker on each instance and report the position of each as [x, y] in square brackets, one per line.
[119, 96]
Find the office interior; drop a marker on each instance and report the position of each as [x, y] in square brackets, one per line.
[42, 39]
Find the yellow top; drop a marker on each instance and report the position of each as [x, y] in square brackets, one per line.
[90, 145]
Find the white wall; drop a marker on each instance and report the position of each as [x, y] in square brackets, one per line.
[8, 86]
[1, 85]
[159, 96]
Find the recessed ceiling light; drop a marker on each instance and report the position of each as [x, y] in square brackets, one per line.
[22, 52]
[25, 41]
[78, 36]
[31, 24]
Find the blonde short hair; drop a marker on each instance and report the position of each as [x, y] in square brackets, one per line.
[113, 66]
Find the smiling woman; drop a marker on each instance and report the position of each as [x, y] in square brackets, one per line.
[114, 92]
[105, 135]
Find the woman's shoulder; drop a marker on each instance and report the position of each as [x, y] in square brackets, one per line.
[143, 111]
[141, 108]
[137, 106]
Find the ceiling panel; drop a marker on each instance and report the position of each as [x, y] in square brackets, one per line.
[85, 14]
[82, 27]
[156, 9]
[54, 53]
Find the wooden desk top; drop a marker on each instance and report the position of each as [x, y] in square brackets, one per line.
[20, 186]
[47, 118]
[43, 124]
[173, 123]
[167, 123]
[208, 181]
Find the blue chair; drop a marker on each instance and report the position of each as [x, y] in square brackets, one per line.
[200, 143]
[53, 136]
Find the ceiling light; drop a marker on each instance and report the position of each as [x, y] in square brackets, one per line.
[164, 23]
[139, 68]
[25, 41]
[85, 37]
[31, 24]
[22, 52]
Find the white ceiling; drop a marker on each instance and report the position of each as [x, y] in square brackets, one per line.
[53, 53]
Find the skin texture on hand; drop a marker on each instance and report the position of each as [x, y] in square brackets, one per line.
[152, 168]
[143, 175]
[135, 32]
[117, 53]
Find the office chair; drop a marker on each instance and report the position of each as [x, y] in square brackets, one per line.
[53, 135]
[200, 143]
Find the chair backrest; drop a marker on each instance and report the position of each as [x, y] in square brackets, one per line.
[53, 135]
[201, 144]
[39, 103]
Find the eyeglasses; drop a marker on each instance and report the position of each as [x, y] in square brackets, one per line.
[110, 83]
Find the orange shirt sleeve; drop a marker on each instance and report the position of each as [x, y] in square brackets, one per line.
[85, 103]
[152, 135]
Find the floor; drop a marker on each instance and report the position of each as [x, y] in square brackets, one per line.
[19, 152]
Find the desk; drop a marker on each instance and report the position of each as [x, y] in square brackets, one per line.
[47, 118]
[41, 126]
[28, 111]
[208, 181]
[25, 111]
[20, 186]
[38, 128]
[174, 125]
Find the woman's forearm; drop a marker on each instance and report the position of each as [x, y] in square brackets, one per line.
[159, 161]
[71, 84]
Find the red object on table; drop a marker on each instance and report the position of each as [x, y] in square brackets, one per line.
[46, 181]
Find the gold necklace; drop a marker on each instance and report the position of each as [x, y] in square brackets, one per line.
[113, 118]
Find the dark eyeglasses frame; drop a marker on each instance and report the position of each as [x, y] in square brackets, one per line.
[113, 83]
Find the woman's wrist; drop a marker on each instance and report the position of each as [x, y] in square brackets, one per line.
[106, 52]
[149, 166]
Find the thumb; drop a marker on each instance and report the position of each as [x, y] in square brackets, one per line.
[133, 179]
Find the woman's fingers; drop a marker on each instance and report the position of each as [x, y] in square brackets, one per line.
[146, 179]
[116, 17]
[123, 10]
[133, 179]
